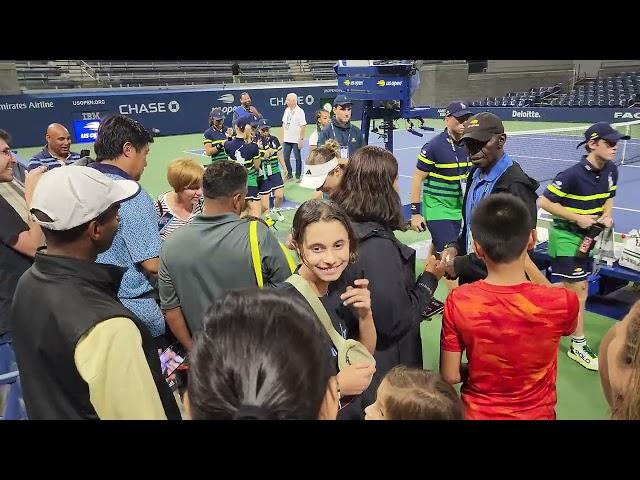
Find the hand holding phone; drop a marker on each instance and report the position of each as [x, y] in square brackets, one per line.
[171, 359]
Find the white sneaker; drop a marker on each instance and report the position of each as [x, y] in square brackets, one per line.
[584, 356]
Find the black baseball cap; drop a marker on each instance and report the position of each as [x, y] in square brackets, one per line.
[341, 100]
[602, 130]
[458, 109]
[482, 127]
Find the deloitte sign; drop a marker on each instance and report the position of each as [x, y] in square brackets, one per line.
[525, 114]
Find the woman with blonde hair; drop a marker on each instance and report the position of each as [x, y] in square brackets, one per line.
[177, 207]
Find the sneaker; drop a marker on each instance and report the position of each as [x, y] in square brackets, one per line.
[435, 306]
[584, 356]
[297, 179]
[289, 177]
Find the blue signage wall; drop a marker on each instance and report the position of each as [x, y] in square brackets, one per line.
[171, 111]
[180, 111]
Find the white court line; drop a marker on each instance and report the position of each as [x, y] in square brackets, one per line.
[196, 154]
[627, 209]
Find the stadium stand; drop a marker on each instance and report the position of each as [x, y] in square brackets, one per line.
[94, 73]
[619, 90]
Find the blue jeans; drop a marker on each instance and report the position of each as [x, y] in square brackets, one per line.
[286, 148]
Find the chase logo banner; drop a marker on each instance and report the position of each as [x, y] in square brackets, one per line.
[86, 131]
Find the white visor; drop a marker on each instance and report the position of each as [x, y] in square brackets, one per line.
[315, 175]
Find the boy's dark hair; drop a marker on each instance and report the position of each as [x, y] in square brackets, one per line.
[114, 132]
[262, 354]
[223, 179]
[366, 192]
[500, 223]
[319, 210]
[417, 394]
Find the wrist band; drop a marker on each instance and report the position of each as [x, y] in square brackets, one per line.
[416, 208]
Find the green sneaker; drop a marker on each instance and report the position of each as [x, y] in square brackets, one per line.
[584, 356]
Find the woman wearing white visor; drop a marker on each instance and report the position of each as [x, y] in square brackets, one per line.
[323, 169]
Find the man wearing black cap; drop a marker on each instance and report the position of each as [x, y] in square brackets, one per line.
[341, 129]
[215, 136]
[493, 171]
[578, 198]
[440, 175]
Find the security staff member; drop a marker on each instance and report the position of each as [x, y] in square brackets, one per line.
[341, 129]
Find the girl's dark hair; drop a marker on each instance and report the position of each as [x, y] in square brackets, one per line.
[417, 394]
[261, 355]
[366, 191]
[319, 210]
[318, 113]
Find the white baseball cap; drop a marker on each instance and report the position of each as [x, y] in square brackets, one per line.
[315, 175]
[74, 195]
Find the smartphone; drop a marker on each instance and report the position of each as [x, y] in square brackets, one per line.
[172, 358]
[85, 153]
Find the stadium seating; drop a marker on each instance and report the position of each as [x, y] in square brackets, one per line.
[620, 90]
[94, 73]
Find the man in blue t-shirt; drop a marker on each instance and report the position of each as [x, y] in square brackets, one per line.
[245, 108]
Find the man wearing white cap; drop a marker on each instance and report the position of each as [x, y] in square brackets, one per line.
[82, 354]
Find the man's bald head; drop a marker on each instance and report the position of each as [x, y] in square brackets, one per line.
[58, 140]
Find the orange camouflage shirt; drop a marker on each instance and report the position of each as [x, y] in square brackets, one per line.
[511, 336]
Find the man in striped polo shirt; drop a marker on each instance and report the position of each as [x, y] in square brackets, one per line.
[57, 152]
[577, 198]
[440, 176]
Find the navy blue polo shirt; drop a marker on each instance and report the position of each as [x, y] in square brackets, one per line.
[45, 158]
[447, 163]
[581, 189]
[216, 138]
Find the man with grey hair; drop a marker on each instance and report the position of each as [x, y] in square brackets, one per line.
[293, 123]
